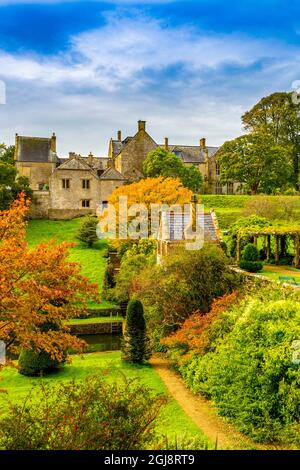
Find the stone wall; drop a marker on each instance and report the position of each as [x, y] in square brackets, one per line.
[39, 207]
[95, 328]
[107, 187]
[71, 198]
[130, 161]
[37, 172]
[67, 214]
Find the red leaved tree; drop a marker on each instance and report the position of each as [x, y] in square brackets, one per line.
[39, 289]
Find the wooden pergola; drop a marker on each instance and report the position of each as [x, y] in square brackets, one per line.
[279, 234]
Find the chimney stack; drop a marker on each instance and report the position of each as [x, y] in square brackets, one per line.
[16, 147]
[119, 135]
[53, 143]
[141, 125]
[72, 155]
[203, 143]
[166, 144]
[90, 159]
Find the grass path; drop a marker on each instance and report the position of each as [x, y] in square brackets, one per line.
[203, 413]
[281, 271]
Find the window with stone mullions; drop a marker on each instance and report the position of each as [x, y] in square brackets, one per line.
[85, 184]
[65, 184]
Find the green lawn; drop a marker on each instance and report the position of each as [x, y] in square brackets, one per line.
[230, 208]
[172, 422]
[274, 272]
[92, 260]
[80, 321]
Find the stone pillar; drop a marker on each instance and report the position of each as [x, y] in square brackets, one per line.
[282, 246]
[268, 247]
[297, 251]
[277, 240]
[238, 249]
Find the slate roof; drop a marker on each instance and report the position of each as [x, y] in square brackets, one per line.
[191, 153]
[174, 225]
[112, 174]
[118, 145]
[74, 164]
[34, 149]
[99, 163]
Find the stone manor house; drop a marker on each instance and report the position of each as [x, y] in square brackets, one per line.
[69, 187]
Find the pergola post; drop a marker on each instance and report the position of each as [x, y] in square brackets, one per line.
[277, 249]
[297, 251]
[268, 247]
[255, 240]
[282, 246]
[238, 249]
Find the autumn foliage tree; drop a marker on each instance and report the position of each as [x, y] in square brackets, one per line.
[193, 335]
[149, 193]
[38, 287]
[158, 190]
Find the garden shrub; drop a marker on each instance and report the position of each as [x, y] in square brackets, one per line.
[35, 363]
[250, 373]
[250, 259]
[87, 230]
[135, 345]
[251, 266]
[109, 280]
[129, 269]
[185, 282]
[88, 415]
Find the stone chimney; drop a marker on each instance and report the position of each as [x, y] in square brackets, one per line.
[53, 143]
[203, 143]
[166, 144]
[141, 125]
[16, 147]
[90, 159]
[119, 135]
[72, 155]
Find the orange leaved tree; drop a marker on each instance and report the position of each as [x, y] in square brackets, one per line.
[39, 289]
[151, 193]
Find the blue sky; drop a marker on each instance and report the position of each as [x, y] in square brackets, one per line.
[85, 69]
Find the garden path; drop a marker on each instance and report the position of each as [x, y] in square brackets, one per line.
[202, 412]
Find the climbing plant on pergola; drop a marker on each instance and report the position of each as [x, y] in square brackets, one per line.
[279, 234]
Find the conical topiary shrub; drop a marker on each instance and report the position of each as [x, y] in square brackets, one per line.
[87, 231]
[135, 345]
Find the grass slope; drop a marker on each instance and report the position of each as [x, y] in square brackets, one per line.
[92, 260]
[230, 208]
[172, 422]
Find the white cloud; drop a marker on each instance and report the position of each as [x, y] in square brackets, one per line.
[113, 76]
[119, 53]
